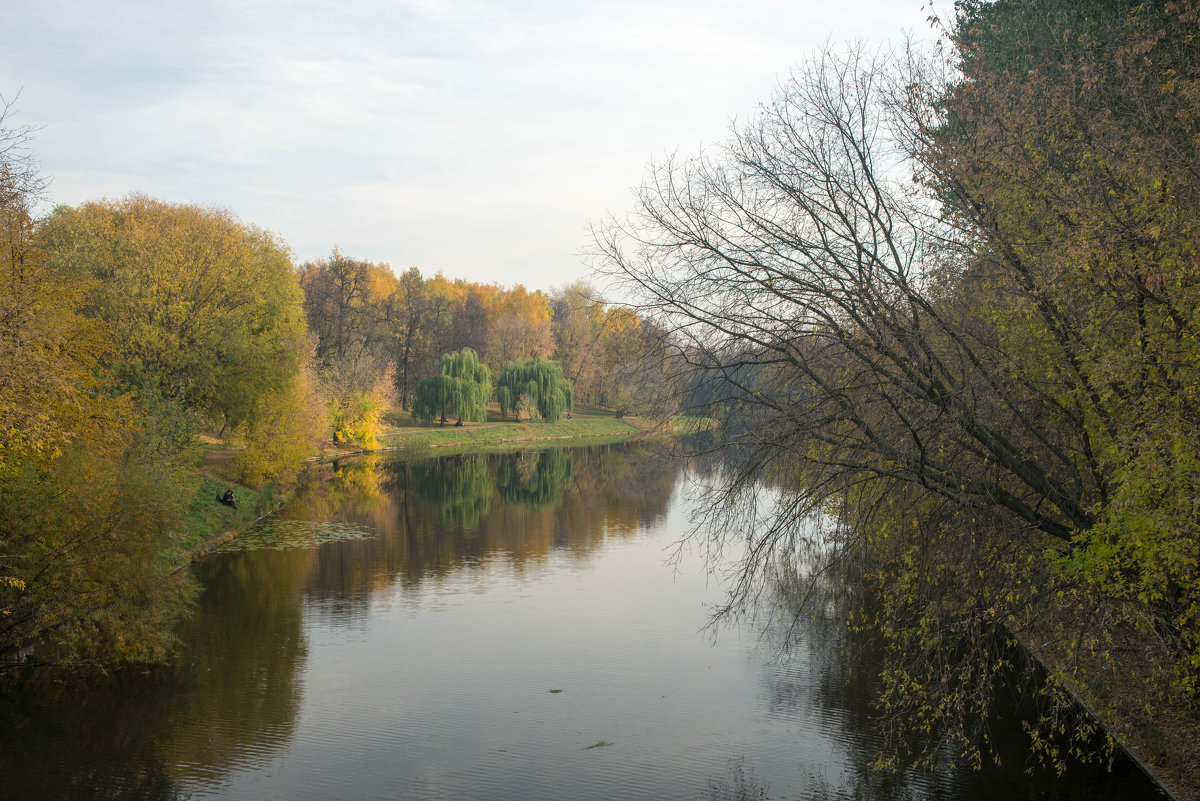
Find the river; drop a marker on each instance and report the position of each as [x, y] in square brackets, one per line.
[505, 626]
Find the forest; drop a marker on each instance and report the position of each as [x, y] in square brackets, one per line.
[943, 302]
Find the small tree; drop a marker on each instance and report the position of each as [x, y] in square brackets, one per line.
[541, 382]
[461, 387]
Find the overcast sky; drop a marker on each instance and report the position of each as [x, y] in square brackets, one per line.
[477, 139]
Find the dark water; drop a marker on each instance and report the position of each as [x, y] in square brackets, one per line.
[508, 628]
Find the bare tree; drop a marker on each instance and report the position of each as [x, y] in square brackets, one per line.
[799, 270]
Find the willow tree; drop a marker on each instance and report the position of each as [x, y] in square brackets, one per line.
[461, 388]
[540, 383]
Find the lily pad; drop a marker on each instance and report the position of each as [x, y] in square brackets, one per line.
[282, 535]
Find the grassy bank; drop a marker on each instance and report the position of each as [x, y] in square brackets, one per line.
[209, 522]
[586, 425]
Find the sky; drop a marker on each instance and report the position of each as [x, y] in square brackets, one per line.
[475, 139]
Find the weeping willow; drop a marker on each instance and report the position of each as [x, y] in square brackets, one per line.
[541, 382]
[460, 389]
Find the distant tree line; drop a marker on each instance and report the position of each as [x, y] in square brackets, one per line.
[383, 333]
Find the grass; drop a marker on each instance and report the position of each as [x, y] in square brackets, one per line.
[209, 522]
[208, 518]
[585, 424]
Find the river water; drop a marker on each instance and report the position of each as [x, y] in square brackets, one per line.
[501, 627]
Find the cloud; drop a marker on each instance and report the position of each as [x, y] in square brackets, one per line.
[474, 137]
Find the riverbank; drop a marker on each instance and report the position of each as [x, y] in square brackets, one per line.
[588, 425]
[210, 524]
[1114, 687]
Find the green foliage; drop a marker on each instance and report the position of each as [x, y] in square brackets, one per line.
[461, 388]
[92, 486]
[461, 486]
[85, 533]
[48, 349]
[997, 404]
[208, 308]
[1074, 158]
[535, 384]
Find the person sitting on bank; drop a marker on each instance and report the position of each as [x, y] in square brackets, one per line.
[228, 499]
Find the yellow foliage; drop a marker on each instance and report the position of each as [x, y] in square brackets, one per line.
[284, 430]
[209, 309]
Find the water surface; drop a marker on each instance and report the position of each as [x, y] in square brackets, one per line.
[481, 627]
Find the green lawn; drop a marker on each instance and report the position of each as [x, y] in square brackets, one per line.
[498, 431]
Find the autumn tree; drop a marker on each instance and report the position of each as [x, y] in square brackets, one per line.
[964, 365]
[577, 318]
[461, 388]
[520, 327]
[358, 390]
[337, 303]
[413, 335]
[442, 321]
[92, 484]
[1065, 154]
[46, 347]
[208, 307]
[358, 311]
[352, 306]
[472, 309]
[286, 427]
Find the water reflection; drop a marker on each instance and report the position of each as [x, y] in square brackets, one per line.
[738, 784]
[535, 480]
[230, 698]
[821, 673]
[420, 662]
[462, 488]
[434, 518]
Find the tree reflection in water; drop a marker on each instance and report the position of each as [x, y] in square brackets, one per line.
[280, 631]
[819, 662]
[738, 784]
[462, 488]
[432, 518]
[139, 733]
[231, 696]
[533, 479]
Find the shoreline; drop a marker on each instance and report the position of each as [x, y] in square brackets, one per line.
[210, 525]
